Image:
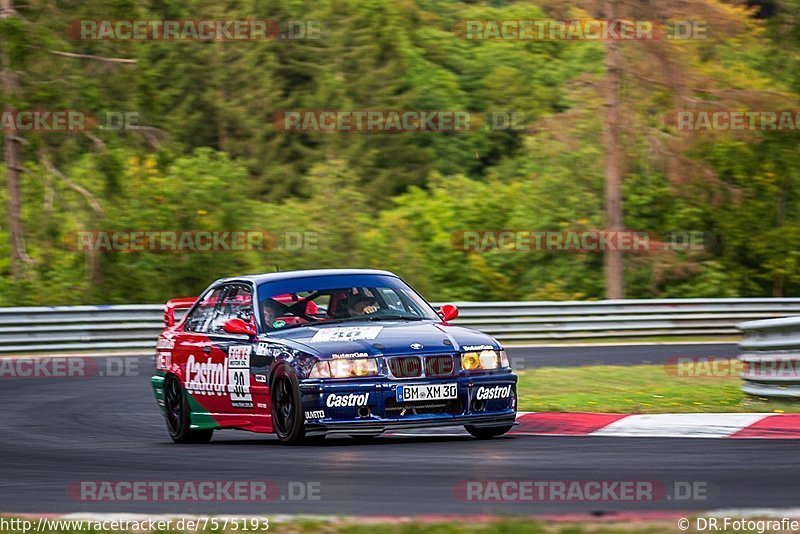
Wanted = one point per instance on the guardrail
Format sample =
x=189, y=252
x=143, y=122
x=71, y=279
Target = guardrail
x=70, y=328
x=770, y=351
x=533, y=321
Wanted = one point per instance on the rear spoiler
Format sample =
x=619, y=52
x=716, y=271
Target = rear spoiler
x=183, y=303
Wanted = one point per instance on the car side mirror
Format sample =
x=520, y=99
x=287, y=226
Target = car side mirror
x=238, y=326
x=448, y=312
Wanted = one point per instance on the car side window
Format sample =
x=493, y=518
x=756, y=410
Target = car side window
x=236, y=303
x=199, y=318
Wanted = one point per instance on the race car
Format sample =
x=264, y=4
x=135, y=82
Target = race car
x=305, y=354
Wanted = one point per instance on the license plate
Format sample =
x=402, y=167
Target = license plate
x=426, y=392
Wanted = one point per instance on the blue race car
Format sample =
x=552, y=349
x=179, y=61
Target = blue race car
x=304, y=354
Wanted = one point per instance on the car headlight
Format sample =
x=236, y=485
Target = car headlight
x=470, y=361
x=485, y=359
x=504, y=359
x=355, y=368
x=320, y=370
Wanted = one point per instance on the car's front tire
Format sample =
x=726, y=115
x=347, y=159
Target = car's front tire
x=487, y=432
x=179, y=422
x=287, y=407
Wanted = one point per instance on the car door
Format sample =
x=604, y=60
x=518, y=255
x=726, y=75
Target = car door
x=192, y=352
x=236, y=350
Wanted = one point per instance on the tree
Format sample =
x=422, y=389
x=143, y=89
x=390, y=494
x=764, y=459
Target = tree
x=12, y=141
x=615, y=288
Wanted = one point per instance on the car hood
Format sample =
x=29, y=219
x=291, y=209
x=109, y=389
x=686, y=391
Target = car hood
x=367, y=338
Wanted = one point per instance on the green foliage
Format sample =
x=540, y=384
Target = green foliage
x=210, y=157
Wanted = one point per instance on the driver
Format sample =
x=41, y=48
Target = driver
x=270, y=310
x=361, y=306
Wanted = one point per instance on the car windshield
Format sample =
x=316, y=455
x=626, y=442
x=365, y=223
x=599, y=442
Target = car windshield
x=339, y=298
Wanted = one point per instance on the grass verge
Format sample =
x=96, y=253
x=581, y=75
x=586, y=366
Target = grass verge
x=636, y=389
x=499, y=526
x=406, y=526
x=625, y=340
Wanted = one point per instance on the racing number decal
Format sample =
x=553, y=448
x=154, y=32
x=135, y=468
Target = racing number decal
x=239, y=376
x=346, y=333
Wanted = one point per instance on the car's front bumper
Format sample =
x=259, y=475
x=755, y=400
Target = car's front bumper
x=373, y=406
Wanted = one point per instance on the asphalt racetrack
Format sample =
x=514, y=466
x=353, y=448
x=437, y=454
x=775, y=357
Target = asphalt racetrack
x=57, y=432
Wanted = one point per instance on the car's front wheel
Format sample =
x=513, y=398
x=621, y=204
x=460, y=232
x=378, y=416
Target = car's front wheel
x=287, y=407
x=486, y=432
x=179, y=423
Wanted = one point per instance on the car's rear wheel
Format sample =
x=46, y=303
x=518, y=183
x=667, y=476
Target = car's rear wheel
x=287, y=407
x=486, y=432
x=179, y=422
